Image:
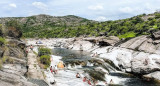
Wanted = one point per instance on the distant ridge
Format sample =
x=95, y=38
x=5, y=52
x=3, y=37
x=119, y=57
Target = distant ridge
x=46, y=26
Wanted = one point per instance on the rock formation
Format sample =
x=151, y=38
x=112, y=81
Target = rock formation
x=13, y=59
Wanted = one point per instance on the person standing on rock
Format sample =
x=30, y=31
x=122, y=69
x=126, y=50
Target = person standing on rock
x=27, y=50
x=51, y=69
x=55, y=69
x=31, y=47
x=146, y=62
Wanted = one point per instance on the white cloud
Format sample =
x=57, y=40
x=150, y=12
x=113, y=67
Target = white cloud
x=101, y=18
x=126, y=10
x=97, y=7
x=40, y=5
x=13, y=5
x=90, y=9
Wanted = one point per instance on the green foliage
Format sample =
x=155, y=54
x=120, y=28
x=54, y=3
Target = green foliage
x=4, y=59
x=13, y=23
x=73, y=26
x=1, y=64
x=127, y=35
x=157, y=15
x=2, y=41
x=45, y=59
x=7, y=59
x=44, y=54
x=44, y=51
x=1, y=33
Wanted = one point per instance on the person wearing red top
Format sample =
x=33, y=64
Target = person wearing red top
x=51, y=69
x=89, y=82
x=84, y=79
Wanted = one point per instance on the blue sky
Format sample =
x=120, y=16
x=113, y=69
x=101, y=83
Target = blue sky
x=100, y=10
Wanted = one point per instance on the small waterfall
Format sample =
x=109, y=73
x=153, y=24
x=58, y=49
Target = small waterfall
x=89, y=64
x=69, y=66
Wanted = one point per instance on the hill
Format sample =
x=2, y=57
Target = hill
x=46, y=26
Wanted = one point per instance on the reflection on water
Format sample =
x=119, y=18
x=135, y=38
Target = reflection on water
x=80, y=59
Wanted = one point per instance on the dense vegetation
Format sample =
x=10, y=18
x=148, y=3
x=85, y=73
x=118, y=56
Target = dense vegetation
x=44, y=54
x=44, y=26
x=44, y=51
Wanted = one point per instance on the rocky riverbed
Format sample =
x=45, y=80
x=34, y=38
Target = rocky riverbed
x=139, y=56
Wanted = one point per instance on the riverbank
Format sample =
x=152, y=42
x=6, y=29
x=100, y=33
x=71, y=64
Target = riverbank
x=34, y=70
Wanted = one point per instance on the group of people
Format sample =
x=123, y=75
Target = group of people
x=29, y=47
x=85, y=79
x=53, y=69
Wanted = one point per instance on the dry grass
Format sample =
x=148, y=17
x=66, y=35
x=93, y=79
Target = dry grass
x=1, y=64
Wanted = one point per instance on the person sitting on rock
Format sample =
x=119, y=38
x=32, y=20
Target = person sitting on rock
x=78, y=75
x=84, y=79
x=89, y=82
x=53, y=82
x=111, y=82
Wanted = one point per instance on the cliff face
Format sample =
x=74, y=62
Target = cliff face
x=12, y=58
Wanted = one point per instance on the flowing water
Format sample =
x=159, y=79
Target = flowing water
x=94, y=68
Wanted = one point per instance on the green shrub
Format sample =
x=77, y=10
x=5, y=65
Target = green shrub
x=45, y=59
x=1, y=64
x=4, y=59
x=44, y=51
x=127, y=35
x=157, y=15
x=2, y=41
x=7, y=59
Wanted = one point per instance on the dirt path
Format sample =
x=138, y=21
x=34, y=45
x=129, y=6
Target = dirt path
x=34, y=70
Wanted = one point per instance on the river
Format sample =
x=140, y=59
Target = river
x=94, y=68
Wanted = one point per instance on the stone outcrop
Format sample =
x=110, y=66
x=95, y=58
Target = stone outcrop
x=155, y=75
x=82, y=45
x=12, y=79
x=131, y=61
x=156, y=35
x=14, y=32
x=143, y=43
x=103, y=41
x=13, y=59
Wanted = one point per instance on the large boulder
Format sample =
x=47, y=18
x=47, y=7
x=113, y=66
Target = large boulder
x=131, y=61
x=82, y=45
x=14, y=32
x=154, y=75
x=143, y=43
x=16, y=43
x=11, y=79
x=156, y=35
x=103, y=41
x=112, y=40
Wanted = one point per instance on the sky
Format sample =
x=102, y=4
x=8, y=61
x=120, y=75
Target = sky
x=99, y=10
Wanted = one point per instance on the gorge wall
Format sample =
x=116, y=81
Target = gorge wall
x=13, y=59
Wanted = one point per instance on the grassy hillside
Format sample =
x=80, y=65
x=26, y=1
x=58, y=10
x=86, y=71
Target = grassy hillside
x=45, y=26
